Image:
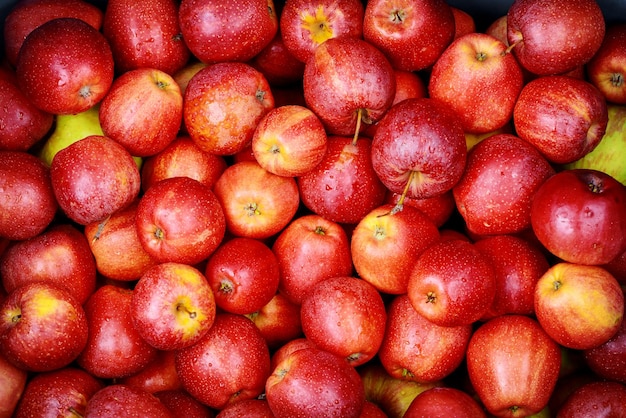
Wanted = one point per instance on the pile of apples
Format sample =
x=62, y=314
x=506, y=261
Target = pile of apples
x=313, y=208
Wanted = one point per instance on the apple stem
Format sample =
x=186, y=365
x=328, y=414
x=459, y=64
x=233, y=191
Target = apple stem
x=510, y=48
x=101, y=226
x=181, y=307
x=73, y=411
x=359, y=115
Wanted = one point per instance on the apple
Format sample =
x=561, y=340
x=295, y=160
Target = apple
x=251, y=408
x=217, y=32
x=279, y=66
x=142, y=110
x=125, y=401
x=257, y=204
x=463, y=22
x=413, y=34
x=580, y=307
x=229, y=364
x=27, y=203
x=564, y=117
x=513, y=365
x=603, y=397
x=114, y=349
x=43, y=327
x=617, y=267
x=606, y=68
x=59, y=255
x=498, y=28
x=158, y=376
x=607, y=360
x=12, y=384
x=494, y=195
x=306, y=24
x=371, y=410
x=145, y=34
x=479, y=80
x=289, y=141
x=284, y=351
x=223, y=103
x=180, y=220
x=179, y=402
x=384, y=246
x=279, y=321
x=439, y=209
x=548, y=39
x=442, y=402
x=56, y=74
x=417, y=349
x=579, y=215
x=310, y=249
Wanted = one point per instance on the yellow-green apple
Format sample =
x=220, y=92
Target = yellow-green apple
x=591, y=398
x=180, y=220
x=343, y=187
x=229, y=364
x=479, y=80
x=463, y=22
x=384, y=246
x=65, y=66
x=279, y=321
x=158, y=376
x=608, y=360
x=306, y=24
x=579, y=215
x=452, y=283
x=181, y=403
x=438, y=208
x=441, y=402
x=125, y=401
x=27, y=203
x=289, y=141
x=257, y=204
x=93, y=178
x=277, y=63
x=310, y=249
x=580, y=307
x=513, y=365
x=417, y=349
x=606, y=70
x=411, y=33
x=223, y=103
x=348, y=83
x=145, y=34
x=548, y=39
x=59, y=255
x=12, y=384
x=514, y=171
x=172, y=306
x=563, y=117
x=114, y=349
x=142, y=110
x=43, y=327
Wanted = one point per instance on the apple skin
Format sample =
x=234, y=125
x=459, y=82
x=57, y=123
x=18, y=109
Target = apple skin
x=513, y=365
x=59, y=255
x=125, y=401
x=229, y=364
x=28, y=204
x=251, y=408
x=603, y=397
x=563, y=117
x=579, y=215
x=43, y=327
x=438, y=208
x=514, y=171
x=580, y=307
x=606, y=70
x=180, y=403
x=463, y=22
x=277, y=63
x=608, y=360
x=158, y=376
x=443, y=402
x=551, y=40
x=12, y=384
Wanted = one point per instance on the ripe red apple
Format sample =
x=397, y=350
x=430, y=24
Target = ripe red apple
x=287, y=349
x=513, y=365
x=550, y=39
x=463, y=22
x=438, y=208
x=229, y=364
x=602, y=397
x=158, y=376
x=279, y=321
x=579, y=215
x=251, y=408
x=65, y=66
x=498, y=29
x=443, y=402
x=145, y=34
x=143, y=111
x=27, y=202
x=43, y=327
x=279, y=66
x=181, y=403
x=413, y=34
x=606, y=70
x=180, y=220
x=12, y=384
x=125, y=401
x=608, y=360
x=564, y=117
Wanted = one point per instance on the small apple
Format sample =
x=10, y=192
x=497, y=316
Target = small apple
x=279, y=321
x=125, y=401
x=608, y=360
x=442, y=402
x=279, y=66
x=250, y=408
x=606, y=70
x=181, y=403
x=12, y=384
x=158, y=376
x=463, y=22
x=593, y=397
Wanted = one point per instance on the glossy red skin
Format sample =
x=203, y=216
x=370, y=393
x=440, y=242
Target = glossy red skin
x=217, y=32
x=608, y=360
x=58, y=393
x=417, y=349
x=279, y=321
x=114, y=348
x=421, y=135
x=563, y=117
x=495, y=193
x=27, y=204
x=345, y=75
x=603, y=398
x=37, y=341
x=230, y=364
x=553, y=40
x=443, y=402
x=577, y=224
x=145, y=35
x=415, y=41
x=461, y=278
x=94, y=178
x=289, y=347
x=180, y=220
x=279, y=66
x=12, y=384
x=59, y=255
x=343, y=187
x=125, y=401
x=371, y=410
x=180, y=403
x=617, y=267
x=345, y=316
x=608, y=62
x=158, y=376
x=438, y=208
x=314, y=382
x=251, y=408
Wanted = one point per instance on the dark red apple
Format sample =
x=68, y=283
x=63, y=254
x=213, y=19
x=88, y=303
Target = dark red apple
x=125, y=401
x=251, y=408
x=606, y=70
x=181, y=403
x=279, y=66
x=12, y=383
x=158, y=376
x=438, y=208
x=464, y=22
x=444, y=402
x=279, y=321
x=603, y=397
x=608, y=360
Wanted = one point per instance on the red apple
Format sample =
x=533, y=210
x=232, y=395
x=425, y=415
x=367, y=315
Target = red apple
x=463, y=22
x=27, y=202
x=608, y=360
x=371, y=410
x=443, y=402
x=158, y=376
x=498, y=29
x=125, y=401
x=279, y=66
x=250, y=408
x=287, y=349
x=279, y=321
x=606, y=70
x=409, y=85
x=181, y=403
x=12, y=383
x=593, y=398
x=437, y=208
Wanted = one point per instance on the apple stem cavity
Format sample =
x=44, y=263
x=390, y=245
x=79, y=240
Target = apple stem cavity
x=431, y=297
x=84, y=92
x=319, y=230
x=252, y=209
x=182, y=308
x=617, y=80
x=397, y=16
